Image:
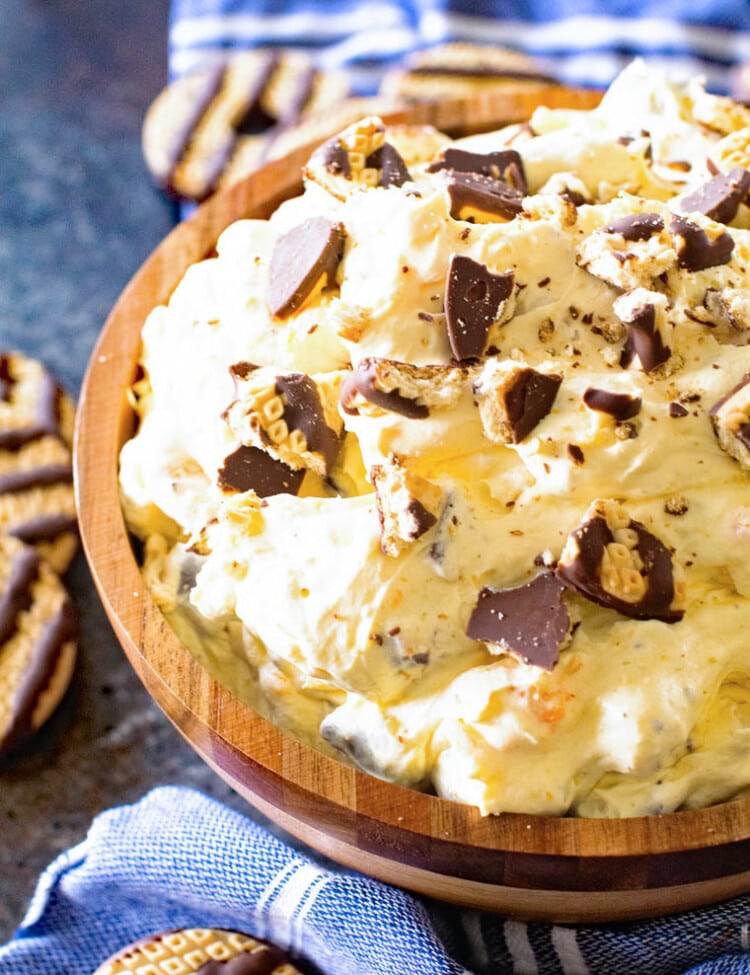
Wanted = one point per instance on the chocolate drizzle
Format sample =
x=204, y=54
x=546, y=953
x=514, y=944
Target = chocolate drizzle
x=46, y=419
x=15, y=481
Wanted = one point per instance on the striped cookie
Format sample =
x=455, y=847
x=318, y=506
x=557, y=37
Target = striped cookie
x=460, y=70
x=198, y=124
x=199, y=951
x=37, y=642
x=37, y=503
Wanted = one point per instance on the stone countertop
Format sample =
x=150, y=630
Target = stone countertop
x=78, y=215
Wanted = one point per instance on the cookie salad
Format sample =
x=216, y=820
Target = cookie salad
x=446, y=466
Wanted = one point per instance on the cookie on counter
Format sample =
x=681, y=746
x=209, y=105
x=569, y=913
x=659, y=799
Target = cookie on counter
x=213, y=121
x=200, y=951
x=461, y=70
x=37, y=503
x=38, y=642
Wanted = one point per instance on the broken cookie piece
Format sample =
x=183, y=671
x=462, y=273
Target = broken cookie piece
x=629, y=252
x=303, y=263
x=616, y=562
x=475, y=299
x=358, y=158
x=643, y=312
x=720, y=197
x=408, y=505
x=293, y=416
x=696, y=249
x=401, y=387
x=513, y=399
x=531, y=621
x=730, y=417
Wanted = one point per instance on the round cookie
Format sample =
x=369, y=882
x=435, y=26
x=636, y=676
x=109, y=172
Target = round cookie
x=200, y=951
x=37, y=502
x=38, y=632
x=199, y=124
x=460, y=70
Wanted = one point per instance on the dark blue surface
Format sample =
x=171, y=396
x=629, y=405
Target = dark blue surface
x=78, y=215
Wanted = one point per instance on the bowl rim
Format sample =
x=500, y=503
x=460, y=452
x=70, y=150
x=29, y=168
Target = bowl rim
x=288, y=780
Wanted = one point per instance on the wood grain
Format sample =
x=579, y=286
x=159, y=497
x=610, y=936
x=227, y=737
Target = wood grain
x=560, y=869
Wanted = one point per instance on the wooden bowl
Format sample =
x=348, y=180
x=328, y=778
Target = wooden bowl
x=561, y=869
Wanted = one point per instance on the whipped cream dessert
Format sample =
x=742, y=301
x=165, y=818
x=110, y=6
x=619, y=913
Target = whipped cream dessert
x=445, y=467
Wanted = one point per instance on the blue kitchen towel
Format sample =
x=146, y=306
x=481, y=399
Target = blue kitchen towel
x=180, y=859
x=581, y=41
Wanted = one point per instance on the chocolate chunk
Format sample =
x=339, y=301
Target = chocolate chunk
x=301, y=258
x=481, y=198
x=643, y=340
x=730, y=417
x=303, y=411
x=505, y=165
x=513, y=399
x=531, y=622
x=364, y=379
x=695, y=249
x=622, y=406
x=474, y=297
x=250, y=468
x=636, y=226
x=720, y=197
x=677, y=410
x=393, y=170
x=617, y=563
x=334, y=158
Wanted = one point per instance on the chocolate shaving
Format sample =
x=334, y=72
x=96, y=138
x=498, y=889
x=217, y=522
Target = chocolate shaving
x=505, y=165
x=695, y=249
x=304, y=411
x=643, y=340
x=470, y=192
x=636, y=226
x=583, y=571
x=622, y=406
x=250, y=468
x=474, y=297
x=362, y=380
x=393, y=170
x=531, y=622
x=301, y=258
x=720, y=197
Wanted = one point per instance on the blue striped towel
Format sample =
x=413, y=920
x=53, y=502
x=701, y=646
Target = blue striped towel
x=584, y=42
x=180, y=859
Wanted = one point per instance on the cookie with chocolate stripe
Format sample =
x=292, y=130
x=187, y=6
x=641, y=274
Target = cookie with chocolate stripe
x=37, y=503
x=210, y=126
x=38, y=642
x=200, y=951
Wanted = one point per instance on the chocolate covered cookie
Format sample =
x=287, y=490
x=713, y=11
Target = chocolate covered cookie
x=211, y=126
x=38, y=646
x=200, y=951
x=37, y=503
